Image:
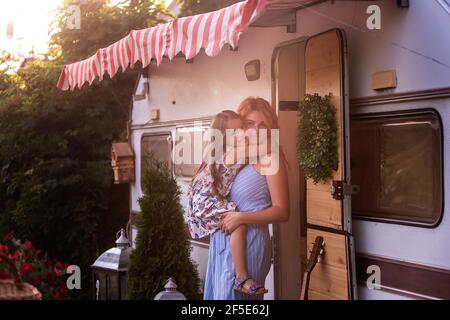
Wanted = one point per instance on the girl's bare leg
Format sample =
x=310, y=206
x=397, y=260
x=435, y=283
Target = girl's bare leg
x=238, y=250
x=239, y=256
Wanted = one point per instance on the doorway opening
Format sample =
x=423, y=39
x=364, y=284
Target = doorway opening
x=290, y=237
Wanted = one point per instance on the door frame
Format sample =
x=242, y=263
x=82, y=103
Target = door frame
x=275, y=103
x=346, y=203
x=346, y=174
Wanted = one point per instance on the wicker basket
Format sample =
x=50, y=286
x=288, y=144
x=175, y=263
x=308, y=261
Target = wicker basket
x=16, y=289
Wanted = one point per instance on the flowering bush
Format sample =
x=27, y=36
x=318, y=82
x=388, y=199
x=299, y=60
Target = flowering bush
x=35, y=267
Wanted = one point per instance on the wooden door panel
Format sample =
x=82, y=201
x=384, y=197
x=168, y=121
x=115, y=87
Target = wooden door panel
x=322, y=81
x=314, y=295
x=324, y=76
x=329, y=278
x=335, y=246
x=323, y=51
x=330, y=281
x=324, y=65
x=326, y=213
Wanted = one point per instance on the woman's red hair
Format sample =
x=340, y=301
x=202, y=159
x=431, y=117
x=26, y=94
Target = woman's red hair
x=251, y=104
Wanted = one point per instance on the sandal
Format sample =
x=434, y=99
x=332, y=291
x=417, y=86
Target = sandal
x=254, y=289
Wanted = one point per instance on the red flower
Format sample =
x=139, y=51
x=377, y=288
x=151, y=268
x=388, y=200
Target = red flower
x=50, y=279
x=28, y=245
x=63, y=292
x=8, y=236
x=35, y=266
x=18, y=253
x=26, y=268
x=36, y=281
x=4, y=275
x=4, y=248
x=56, y=272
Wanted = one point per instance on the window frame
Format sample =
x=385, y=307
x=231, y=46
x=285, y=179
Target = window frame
x=170, y=143
x=205, y=241
x=406, y=113
x=204, y=124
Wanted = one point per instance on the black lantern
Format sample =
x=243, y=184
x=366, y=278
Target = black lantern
x=109, y=271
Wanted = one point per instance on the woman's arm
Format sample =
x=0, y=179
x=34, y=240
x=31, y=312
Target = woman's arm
x=278, y=212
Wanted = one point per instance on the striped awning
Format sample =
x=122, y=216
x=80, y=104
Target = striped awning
x=187, y=35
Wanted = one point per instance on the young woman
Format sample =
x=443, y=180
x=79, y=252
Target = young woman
x=261, y=200
x=207, y=199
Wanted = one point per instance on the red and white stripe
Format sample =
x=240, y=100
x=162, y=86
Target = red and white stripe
x=188, y=35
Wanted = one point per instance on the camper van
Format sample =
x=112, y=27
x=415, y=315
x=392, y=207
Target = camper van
x=382, y=218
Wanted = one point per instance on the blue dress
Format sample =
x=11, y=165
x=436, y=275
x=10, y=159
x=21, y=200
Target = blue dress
x=251, y=193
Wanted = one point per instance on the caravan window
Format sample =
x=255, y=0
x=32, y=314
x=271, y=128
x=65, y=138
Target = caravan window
x=189, y=146
x=159, y=145
x=396, y=160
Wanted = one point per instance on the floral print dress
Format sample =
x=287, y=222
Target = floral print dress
x=204, y=206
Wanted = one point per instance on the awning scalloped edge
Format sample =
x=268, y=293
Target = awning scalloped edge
x=188, y=35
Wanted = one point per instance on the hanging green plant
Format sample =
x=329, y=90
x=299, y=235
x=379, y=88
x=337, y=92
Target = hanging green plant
x=317, y=138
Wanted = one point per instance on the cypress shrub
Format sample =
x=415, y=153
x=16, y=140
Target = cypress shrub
x=162, y=245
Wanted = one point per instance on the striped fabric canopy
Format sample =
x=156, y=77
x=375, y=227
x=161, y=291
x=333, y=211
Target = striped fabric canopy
x=210, y=31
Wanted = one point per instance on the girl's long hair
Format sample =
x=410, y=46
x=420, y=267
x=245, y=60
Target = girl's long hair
x=220, y=122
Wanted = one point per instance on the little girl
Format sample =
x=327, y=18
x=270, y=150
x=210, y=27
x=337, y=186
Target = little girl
x=207, y=201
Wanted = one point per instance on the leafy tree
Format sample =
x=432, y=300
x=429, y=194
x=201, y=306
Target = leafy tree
x=55, y=173
x=192, y=7
x=101, y=25
x=162, y=246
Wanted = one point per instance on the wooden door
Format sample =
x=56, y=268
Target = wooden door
x=325, y=73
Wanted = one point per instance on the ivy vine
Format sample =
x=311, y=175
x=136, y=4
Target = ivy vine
x=317, y=151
